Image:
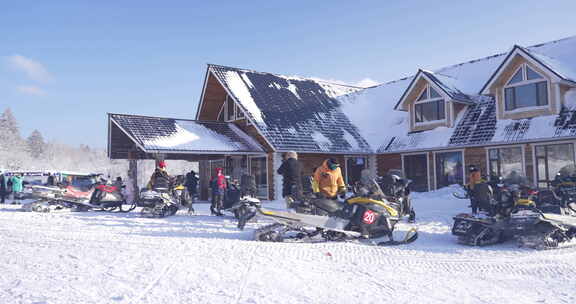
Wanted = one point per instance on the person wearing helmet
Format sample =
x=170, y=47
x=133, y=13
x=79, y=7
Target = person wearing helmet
x=328, y=180
x=218, y=185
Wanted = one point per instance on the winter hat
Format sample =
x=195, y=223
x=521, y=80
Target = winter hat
x=332, y=164
x=162, y=164
x=472, y=168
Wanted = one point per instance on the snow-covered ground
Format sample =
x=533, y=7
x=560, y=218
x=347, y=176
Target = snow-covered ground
x=96, y=257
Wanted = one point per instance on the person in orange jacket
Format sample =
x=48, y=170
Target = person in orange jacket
x=328, y=180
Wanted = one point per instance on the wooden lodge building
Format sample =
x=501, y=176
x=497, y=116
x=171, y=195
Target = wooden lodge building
x=510, y=113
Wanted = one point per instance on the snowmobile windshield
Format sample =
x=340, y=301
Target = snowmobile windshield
x=567, y=172
x=515, y=178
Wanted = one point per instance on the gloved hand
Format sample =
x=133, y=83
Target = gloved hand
x=342, y=192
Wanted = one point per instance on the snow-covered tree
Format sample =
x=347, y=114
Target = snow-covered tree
x=35, y=144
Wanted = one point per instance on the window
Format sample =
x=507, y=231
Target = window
x=449, y=169
x=416, y=169
x=550, y=159
x=258, y=169
x=429, y=106
x=230, y=107
x=505, y=162
x=526, y=88
x=239, y=113
x=230, y=111
x=354, y=167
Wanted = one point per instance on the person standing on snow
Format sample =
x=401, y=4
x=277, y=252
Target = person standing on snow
x=191, y=183
x=17, y=186
x=3, y=189
x=328, y=180
x=218, y=185
x=474, y=177
x=291, y=178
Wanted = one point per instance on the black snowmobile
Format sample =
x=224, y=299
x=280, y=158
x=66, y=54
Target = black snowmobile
x=366, y=215
x=547, y=218
x=240, y=200
x=157, y=203
x=495, y=201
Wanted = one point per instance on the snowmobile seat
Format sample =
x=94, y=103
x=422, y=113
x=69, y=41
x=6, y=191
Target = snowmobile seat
x=328, y=205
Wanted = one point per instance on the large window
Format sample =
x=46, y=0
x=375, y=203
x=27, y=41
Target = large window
x=550, y=159
x=259, y=170
x=505, y=162
x=416, y=169
x=526, y=88
x=354, y=167
x=430, y=106
x=230, y=111
x=449, y=169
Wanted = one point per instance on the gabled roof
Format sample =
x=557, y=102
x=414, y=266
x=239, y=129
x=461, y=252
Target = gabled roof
x=563, y=67
x=293, y=113
x=446, y=84
x=169, y=135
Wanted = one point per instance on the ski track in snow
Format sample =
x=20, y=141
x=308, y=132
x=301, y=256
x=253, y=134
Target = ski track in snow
x=97, y=257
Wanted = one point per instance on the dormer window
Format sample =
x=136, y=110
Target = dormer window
x=526, y=88
x=429, y=107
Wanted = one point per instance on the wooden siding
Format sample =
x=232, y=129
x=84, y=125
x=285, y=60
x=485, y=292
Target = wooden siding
x=386, y=162
x=214, y=97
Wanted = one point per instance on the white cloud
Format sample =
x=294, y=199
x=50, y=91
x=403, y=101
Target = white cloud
x=33, y=69
x=31, y=90
x=364, y=83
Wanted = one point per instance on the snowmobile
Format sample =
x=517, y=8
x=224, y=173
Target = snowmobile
x=99, y=196
x=367, y=215
x=546, y=219
x=157, y=203
x=495, y=202
x=241, y=201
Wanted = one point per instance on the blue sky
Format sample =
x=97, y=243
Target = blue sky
x=65, y=64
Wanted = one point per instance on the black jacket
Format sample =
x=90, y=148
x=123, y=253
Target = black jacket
x=191, y=182
x=291, y=172
x=2, y=184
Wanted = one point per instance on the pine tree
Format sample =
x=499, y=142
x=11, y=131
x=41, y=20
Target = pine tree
x=9, y=131
x=35, y=144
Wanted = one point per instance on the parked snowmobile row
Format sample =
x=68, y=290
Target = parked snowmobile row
x=91, y=195
x=512, y=210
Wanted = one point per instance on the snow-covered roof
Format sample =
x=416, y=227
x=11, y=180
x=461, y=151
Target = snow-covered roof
x=168, y=135
x=294, y=113
x=387, y=130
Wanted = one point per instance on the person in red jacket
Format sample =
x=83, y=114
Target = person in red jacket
x=218, y=185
